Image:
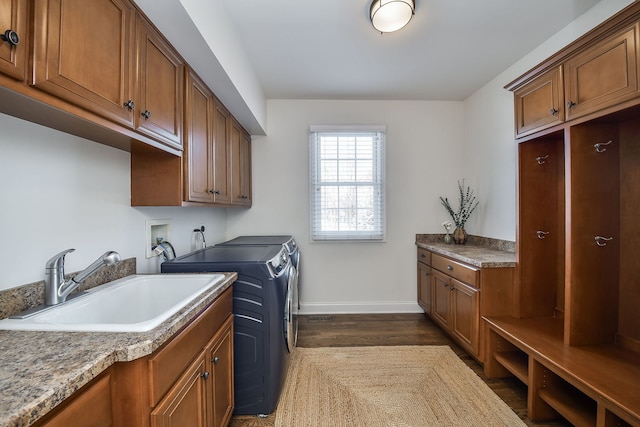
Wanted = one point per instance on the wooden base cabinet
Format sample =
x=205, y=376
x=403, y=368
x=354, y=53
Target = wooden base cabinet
x=424, y=279
x=203, y=396
x=188, y=382
x=456, y=296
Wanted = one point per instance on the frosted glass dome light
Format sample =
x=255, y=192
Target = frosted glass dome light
x=391, y=15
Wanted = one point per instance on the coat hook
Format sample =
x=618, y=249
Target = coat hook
x=602, y=241
x=600, y=146
x=542, y=159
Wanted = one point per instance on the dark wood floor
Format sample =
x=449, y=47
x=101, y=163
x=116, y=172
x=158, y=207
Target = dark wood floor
x=393, y=329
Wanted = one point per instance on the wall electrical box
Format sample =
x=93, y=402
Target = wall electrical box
x=156, y=229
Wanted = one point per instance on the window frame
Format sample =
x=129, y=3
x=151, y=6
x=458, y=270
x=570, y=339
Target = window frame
x=378, y=183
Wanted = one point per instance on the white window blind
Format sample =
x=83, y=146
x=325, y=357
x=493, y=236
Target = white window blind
x=347, y=183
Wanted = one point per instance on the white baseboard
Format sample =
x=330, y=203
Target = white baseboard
x=366, y=307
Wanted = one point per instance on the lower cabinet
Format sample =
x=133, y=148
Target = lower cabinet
x=91, y=406
x=457, y=295
x=456, y=308
x=188, y=382
x=203, y=396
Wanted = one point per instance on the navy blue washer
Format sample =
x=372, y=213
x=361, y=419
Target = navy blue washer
x=261, y=357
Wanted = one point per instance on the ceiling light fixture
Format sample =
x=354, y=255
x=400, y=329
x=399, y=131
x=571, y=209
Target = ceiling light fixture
x=391, y=15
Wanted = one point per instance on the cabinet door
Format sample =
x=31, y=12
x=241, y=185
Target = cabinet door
x=240, y=166
x=424, y=287
x=220, y=356
x=160, y=77
x=602, y=75
x=441, y=293
x=84, y=54
x=465, y=315
x=184, y=404
x=89, y=407
x=198, y=143
x=13, y=16
x=221, y=155
x=539, y=104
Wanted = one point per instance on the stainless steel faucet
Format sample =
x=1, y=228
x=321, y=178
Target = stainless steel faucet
x=56, y=289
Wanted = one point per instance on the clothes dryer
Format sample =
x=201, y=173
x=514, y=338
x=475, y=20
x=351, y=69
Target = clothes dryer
x=290, y=245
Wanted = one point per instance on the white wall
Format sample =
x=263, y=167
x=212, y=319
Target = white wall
x=423, y=162
x=430, y=146
x=59, y=191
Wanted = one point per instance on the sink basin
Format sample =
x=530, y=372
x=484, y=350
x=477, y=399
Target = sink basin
x=133, y=304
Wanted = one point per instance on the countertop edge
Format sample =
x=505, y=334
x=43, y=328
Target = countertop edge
x=126, y=347
x=477, y=256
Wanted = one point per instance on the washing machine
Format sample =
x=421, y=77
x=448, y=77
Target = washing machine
x=290, y=245
x=262, y=301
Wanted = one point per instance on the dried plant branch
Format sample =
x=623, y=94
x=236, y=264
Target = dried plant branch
x=468, y=203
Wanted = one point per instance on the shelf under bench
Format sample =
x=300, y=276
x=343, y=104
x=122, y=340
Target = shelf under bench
x=588, y=385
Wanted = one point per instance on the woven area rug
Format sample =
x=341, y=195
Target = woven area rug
x=408, y=386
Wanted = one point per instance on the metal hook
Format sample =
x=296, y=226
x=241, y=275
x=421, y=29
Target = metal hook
x=542, y=234
x=602, y=241
x=542, y=159
x=600, y=146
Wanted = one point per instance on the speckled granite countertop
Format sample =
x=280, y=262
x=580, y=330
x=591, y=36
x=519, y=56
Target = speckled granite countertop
x=478, y=252
x=38, y=370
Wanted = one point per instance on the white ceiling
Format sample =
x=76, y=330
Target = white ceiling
x=327, y=49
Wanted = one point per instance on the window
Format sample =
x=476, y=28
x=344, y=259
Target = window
x=347, y=183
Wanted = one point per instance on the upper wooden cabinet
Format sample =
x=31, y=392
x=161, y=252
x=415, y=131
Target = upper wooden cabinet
x=84, y=53
x=198, y=141
x=599, y=71
x=160, y=79
x=221, y=154
x=540, y=103
x=13, y=57
x=602, y=75
x=240, y=165
x=216, y=161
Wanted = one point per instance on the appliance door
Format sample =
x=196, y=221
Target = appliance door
x=290, y=310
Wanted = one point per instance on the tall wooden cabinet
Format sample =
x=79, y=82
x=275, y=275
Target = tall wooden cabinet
x=575, y=337
x=13, y=45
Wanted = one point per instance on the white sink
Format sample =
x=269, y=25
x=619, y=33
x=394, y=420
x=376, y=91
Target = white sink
x=133, y=304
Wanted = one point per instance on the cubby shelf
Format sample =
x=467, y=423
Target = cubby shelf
x=515, y=362
x=577, y=408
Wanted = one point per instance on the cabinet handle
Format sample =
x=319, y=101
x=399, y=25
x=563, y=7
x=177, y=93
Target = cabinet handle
x=602, y=241
x=130, y=105
x=542, y=159
x=553, y=111
x=445, y=285
x=423, y=256
x=215, y=360
x=449, y=267
x=10, y=37
x=204, y=375
x=212, y=191
x=600, y=146
x=571, y=104
x=244, y=197
x=146, y=114
x=542, y=234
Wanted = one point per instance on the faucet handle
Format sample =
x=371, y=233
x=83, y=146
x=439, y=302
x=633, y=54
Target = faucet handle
x=57, y=261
